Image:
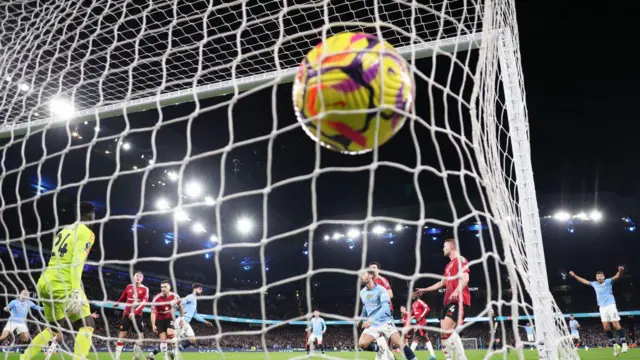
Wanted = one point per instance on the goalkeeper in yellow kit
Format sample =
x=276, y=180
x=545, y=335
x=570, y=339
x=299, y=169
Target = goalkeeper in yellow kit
x=60, y=286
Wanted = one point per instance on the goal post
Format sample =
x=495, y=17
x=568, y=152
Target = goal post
x=64, y=64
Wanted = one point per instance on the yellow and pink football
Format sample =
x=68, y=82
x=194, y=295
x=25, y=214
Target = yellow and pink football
x=344, y=83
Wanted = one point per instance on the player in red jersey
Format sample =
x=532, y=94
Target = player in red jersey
x=163, y=318
x=456, y=298
x=135, y=296
x=382, y=281
x=419, y=311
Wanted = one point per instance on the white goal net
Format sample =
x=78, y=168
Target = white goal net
x=175, y=119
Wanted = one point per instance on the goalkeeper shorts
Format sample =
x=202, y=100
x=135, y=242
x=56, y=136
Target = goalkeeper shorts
x=54, y=297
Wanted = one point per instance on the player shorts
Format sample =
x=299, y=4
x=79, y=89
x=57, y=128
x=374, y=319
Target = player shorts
x=387, y=329
x=609, y=313
x=420, y=331
x=313, y=338
x=18, y=328
x=54, y=297
x=454, y=312
x=186, y=330
x=164, y=325
x=531, y=338
x=136, y=324
x=575, y=335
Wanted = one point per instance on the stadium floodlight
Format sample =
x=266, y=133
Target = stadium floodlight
x=353, y=233
x=24, y=87
x=193, y=189
x=62, y=108
x=181, y=216
x=198, y=228
x=581, y=216
x=337, y=236
x=162, y=204
x=562, y=216
x=209, y=200
x=213, y=238
x=126, y=146
x=398, y=227
x=244, y=225
x=595, y=215
x=172, y=175
x=378, y=230
x=327, y=237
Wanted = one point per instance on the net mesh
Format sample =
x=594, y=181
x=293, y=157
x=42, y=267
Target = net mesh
x=196, y=191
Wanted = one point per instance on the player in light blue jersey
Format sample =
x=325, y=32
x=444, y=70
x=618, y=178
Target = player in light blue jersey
x=573, y=328
x=190, y=306
x=316, y=330
x=377, y=319
x=529, y=330
x=19, y=310
x=608, y=311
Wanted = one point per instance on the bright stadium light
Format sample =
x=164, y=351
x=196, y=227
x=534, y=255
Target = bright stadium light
x=378, y=230
x=562, y=216
x=337, y=236
x=353, y=233
x=213, y=238
x=399, y=227
x=24, y=87
x=198, y=228
x=209, y=200
x=62, y=108
x=581, y=216
x=193, y=189
x=244, y=225
x=181, y=216
x=172, y=175
x=595, y=215
x=126, y=146
x=327, y=237
x=162, y=204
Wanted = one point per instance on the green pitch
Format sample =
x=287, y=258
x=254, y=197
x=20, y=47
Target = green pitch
x=592, y=354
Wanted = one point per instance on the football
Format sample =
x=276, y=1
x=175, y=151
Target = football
x=345, y=84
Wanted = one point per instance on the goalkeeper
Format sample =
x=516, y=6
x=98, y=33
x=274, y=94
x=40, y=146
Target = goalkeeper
x=60, y=286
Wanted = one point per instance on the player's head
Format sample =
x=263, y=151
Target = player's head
x=367, y=276
x=415, y=297
x=571, y=317
x=316, y=313
x=196, y=289
x=138, y=277
x=165, y=286
x=491, y=313
x=600, y=277
x=375, y=266
x=449, y=247
x=24, y=294
x=87, y=211
x=403, y=309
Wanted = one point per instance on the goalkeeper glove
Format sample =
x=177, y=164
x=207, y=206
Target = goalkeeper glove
x=76, y=302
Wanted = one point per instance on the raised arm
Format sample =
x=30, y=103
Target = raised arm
x=434, y=287
x=618, y=274
x=573, y=275
x=35, y=307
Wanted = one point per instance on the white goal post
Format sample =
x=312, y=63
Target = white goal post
x=66, y=62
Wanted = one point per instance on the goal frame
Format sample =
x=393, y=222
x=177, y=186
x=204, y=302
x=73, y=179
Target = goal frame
x=473, y=340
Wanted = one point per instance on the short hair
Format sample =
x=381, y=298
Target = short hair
x=87, y=208
x=375, y=263
x=452, y=241
x=138, y=272
x=600, y=273
x=165, y=282
x=196, y=286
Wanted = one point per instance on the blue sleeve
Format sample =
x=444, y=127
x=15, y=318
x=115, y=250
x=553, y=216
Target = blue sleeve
x=199, y=318
x=384, y=297
x=608, y=281
x=385, y=310
x=35, y=307
x=363, y=314
x=592, y=283
x=11, y=304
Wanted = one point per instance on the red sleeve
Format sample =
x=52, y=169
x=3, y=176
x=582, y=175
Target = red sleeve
x=123, y=296
x=465, y=265
x=385, y=283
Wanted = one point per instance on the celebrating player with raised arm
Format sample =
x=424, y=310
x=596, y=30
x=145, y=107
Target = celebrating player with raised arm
x=19, y=309
x=190, y=305
x=317, y=329
x=60, y=286
x=136, y=296
x=607, y=303
x=456, y=298
x=162, y=318
x=379, y=320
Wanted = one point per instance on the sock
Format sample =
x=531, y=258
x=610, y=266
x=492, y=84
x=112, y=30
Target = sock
x=137, y=350
x=38, y=342
x=414, y=345
x=82, y=345
x=610, y=338
x=373, y=347
x=408, y=353
x=621, y=336
x=321, y=348
x=156, y=350
x=382, y=342
x=457, y=345
x=430, y=348
x=184, y=344
x=308, y=348
x=447, y=346
x=163, y=349
x=119, y=346
x=51, y=350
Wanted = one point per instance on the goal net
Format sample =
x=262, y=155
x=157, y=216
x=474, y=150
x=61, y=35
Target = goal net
x=469, y=343
x=175, y=119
